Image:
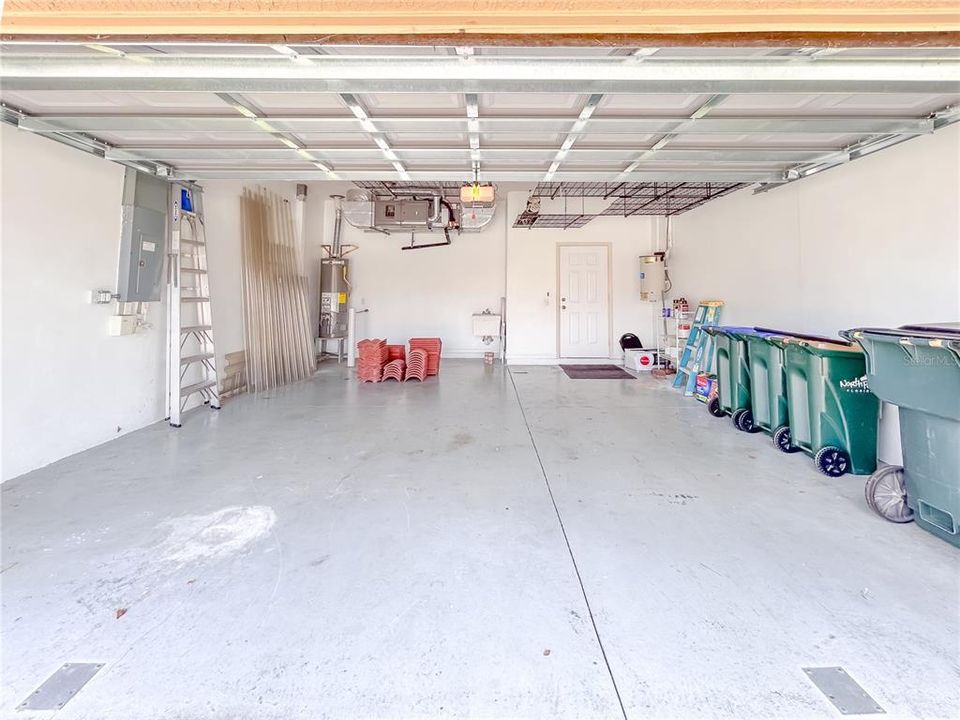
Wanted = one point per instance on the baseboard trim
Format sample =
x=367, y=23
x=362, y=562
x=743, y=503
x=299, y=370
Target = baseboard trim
x=547, y=360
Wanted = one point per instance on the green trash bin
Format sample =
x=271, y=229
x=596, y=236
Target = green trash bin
x=917, y=367
x=768, y=384
x=833, y=416
x=768, y=388
x=733, y=375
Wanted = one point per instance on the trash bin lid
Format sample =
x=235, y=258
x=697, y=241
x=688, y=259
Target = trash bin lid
x=947, y=331
x=727, y=329
x=801, y=336
x=818, y=347
x=759, y=332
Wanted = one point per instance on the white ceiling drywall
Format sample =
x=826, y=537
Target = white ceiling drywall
x=318, y=112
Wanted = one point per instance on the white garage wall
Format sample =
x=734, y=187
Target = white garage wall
x=875, y=242
x=532, y=282
x=435, y=291
x=66, y=385
x=431, y=292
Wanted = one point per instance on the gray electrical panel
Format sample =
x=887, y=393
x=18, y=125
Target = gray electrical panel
x=143, y=238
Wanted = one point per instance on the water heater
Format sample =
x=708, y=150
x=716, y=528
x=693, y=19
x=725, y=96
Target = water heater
x=652, y=277
x=334, y=290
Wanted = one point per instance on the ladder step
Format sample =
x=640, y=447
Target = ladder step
x=193, y=271
x=195, y=299
x=187, y=329
x=187, y=359
x=196, y=387
x=187, y=241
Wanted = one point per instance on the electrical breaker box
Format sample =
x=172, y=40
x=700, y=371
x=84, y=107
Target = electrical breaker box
x=143, y=238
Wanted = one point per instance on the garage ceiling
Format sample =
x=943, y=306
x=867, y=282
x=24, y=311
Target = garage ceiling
x=611, y=115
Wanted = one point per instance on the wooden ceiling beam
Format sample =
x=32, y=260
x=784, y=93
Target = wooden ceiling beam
x=661, y=23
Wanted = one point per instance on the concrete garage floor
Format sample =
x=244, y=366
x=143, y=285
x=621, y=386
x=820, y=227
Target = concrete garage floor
x=331, y=550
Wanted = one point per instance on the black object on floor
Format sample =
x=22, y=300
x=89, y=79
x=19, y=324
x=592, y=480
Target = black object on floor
x=629, y=341
x=596, y=372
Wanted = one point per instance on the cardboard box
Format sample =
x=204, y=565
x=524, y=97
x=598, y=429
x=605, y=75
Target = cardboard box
x=639, y=360
x=704, y=386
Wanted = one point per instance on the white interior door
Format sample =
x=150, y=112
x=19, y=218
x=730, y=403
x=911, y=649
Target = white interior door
x=584, y=301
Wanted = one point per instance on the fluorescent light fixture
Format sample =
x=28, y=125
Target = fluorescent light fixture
x=578, y=126
x=568, y=143
x=245, y=111
x=358, y=111
x=554, y=166
x=264, y=125
x=390, y=155
x=561, y=154
x=474, y=142
x=106, y=49
x=473, y=125
x=321, y=166
x=475, y=154
x=590, y=107
x=548, y=177
x=381, y=143
x=368, y=126
x=289, y=143
x=305, y=153
x=284, y=50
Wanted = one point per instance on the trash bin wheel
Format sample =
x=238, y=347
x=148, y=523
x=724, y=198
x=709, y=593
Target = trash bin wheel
x=832, y=461
x=743, y=419
x=886, y=494
x=782, y=439
x=713, y=407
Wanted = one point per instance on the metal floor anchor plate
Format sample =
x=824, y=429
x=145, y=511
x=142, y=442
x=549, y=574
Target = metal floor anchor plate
x=843, y=691
x=60, y=687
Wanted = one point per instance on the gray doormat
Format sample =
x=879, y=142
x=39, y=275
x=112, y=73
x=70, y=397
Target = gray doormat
x=596, y=372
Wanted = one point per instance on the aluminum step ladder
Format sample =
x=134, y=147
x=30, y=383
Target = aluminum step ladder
x=191, y=355
x=697, y=355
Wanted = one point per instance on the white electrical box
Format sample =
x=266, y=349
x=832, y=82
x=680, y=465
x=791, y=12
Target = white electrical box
x=122, y=325
x=652, y=277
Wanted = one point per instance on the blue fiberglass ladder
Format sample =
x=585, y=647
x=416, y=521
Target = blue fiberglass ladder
x=697, y=354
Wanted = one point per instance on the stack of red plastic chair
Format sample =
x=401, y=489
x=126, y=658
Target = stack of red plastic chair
x=394, y=370
x=416, y=365
x=371, y=357
x=397, y=352
x=432, y=347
